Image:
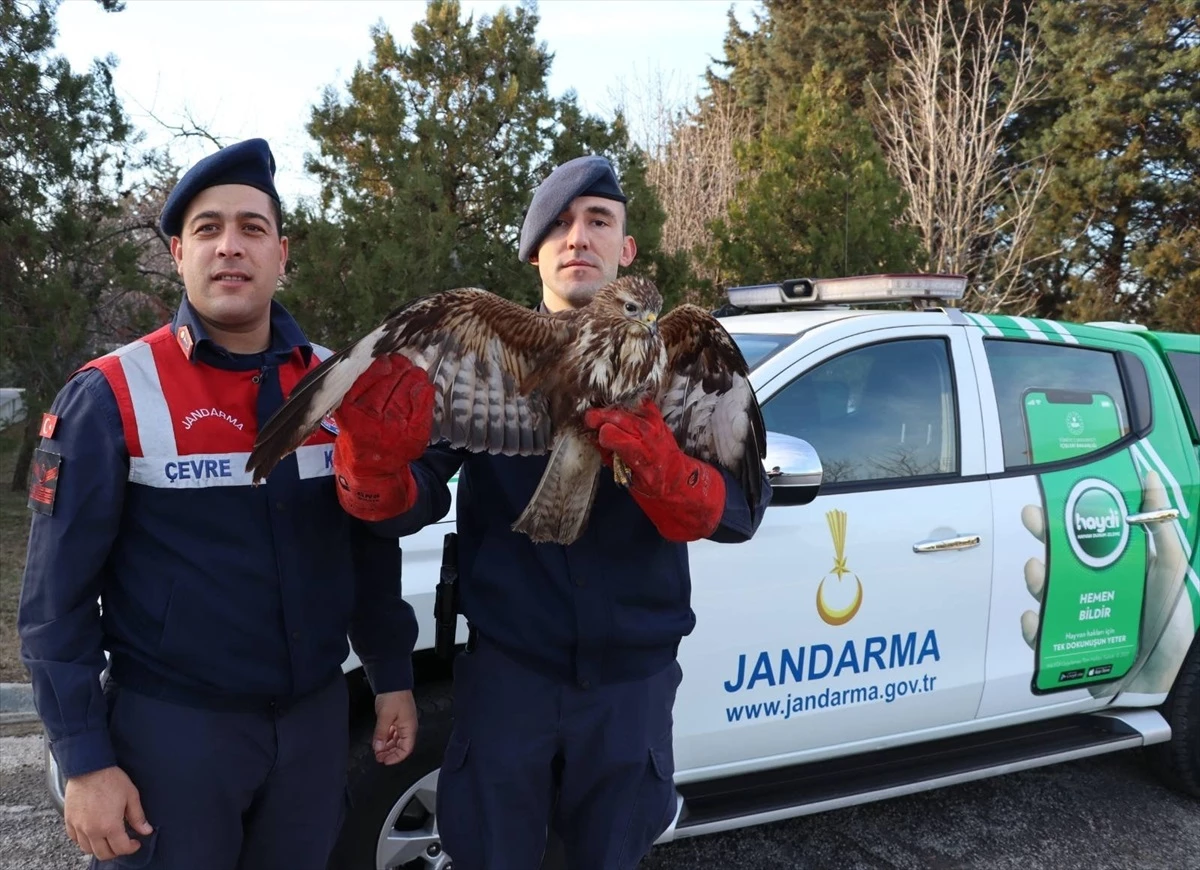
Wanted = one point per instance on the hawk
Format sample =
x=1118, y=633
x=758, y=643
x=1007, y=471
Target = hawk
x=514, y=381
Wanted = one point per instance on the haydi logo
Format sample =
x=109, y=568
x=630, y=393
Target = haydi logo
x=1095, y=521
x=1091, y=526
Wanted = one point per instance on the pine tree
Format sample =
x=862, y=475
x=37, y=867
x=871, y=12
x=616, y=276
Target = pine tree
x=428, y=164
x=765, y=66
x=821, y=204
x=1121, y=121
x=70, y=285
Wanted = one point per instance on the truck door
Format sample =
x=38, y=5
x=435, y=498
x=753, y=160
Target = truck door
x=862, y=614
x=1081, y=493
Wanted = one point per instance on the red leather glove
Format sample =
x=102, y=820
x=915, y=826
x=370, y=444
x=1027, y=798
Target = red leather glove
x=682, y=496
x=384, y=423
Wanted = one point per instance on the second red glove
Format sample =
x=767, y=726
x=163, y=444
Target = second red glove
x=384, y=423
x=682, y=496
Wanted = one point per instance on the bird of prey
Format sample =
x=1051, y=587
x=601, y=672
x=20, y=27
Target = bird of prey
x=514, y=381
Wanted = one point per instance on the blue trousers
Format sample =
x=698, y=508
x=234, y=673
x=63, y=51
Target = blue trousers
x=234, y=790
x=528, y=752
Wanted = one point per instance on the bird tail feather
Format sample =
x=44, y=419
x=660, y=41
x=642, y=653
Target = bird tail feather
x=562, y=502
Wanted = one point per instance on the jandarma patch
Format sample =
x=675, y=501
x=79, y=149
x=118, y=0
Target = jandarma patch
x=43, y=481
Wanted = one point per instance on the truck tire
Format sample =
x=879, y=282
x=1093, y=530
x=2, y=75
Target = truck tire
x=390, y=822
x=1177, y=762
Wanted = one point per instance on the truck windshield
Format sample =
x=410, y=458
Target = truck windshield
x=757, y=348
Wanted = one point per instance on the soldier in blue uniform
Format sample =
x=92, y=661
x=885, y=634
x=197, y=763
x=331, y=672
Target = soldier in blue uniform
x=220, y=738
x=563, y=700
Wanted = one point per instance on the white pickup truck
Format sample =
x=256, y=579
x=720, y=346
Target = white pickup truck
x=999, y=570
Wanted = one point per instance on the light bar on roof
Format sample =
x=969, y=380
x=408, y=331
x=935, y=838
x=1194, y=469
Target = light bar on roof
x=849, y=291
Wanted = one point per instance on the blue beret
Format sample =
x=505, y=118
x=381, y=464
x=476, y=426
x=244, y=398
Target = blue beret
x=249, y=162
x=583, y=176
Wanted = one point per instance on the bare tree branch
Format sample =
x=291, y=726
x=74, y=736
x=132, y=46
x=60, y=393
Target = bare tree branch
x=942, y=121
x=692, y=166
x=188, y=128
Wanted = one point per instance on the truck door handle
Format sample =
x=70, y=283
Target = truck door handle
x=962, y=542
x=1153, y=517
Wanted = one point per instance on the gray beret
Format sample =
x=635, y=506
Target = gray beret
x=249, y=162
x=583, y=176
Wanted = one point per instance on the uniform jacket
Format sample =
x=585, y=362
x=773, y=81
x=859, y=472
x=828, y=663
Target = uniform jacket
x=611, y=606
x=214, y=593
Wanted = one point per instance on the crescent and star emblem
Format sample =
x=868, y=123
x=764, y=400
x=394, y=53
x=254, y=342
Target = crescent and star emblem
x=845, y=604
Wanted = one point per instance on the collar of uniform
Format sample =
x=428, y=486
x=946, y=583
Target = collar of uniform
x=197, y=345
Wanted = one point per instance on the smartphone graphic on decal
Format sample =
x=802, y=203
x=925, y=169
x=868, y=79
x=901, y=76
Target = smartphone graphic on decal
x=1095, y=562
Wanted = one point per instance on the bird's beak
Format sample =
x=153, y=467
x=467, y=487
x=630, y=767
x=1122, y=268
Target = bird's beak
x=650, y=319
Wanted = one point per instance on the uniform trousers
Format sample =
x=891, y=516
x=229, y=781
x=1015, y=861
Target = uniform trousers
x=233, y=790
x=528, y=752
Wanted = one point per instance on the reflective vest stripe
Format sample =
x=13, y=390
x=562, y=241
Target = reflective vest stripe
x=150, y=411
x=115, y=375
x=202, y=470
x=314, y=460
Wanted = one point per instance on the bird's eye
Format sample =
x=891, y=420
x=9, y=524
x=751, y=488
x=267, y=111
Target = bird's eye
x=631, y=308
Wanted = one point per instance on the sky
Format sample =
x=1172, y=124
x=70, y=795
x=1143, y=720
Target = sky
x=246, y=68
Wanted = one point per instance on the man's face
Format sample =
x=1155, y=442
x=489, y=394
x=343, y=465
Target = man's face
x=230, y=255
x=582, y=252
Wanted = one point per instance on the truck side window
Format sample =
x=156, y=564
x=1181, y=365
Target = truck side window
x=1019, y=367
x=1187, y=369
x=879, y=412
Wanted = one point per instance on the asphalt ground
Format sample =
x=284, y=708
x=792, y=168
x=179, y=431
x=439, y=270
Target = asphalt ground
x=1105, y=813
x=31, y=830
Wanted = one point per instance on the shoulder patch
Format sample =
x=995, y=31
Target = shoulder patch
x=43, y=481
x=49, y=422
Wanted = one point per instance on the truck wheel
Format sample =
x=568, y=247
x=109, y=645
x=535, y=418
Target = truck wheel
x=390, y=822
x=1177, y=762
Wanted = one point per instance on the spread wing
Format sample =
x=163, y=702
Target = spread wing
x=707, y=399
x=479, y=350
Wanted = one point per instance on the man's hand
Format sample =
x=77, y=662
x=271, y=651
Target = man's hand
x=1168, y=624
x=97, y=806
x=682, y=496
x=395, y=727
x=384, y=423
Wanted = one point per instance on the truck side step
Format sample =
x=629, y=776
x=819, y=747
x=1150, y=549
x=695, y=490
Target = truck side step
x=772, y=795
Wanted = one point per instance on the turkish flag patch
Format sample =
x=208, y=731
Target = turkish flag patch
x=43, y=481
x=49, y=423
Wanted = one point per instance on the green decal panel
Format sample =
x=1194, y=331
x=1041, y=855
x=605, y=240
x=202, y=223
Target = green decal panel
x=1106, y=604
x=1095, y=569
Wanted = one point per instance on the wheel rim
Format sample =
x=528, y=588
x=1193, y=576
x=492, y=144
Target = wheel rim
x=409, y=836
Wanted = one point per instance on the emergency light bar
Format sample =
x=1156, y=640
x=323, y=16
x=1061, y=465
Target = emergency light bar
x=849, y=291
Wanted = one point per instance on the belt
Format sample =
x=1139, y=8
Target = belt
x=143, y=682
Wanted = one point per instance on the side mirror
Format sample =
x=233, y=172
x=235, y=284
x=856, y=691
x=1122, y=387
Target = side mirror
x=793, y=468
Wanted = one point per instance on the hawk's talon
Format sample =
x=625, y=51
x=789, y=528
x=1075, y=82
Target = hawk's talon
x=620, y=470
